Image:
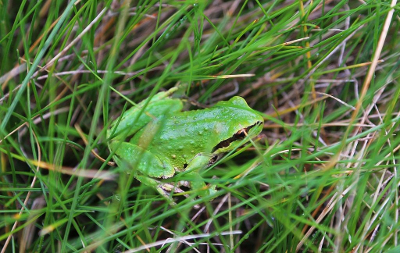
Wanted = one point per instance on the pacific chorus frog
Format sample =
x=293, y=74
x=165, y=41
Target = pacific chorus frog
x=163, y=140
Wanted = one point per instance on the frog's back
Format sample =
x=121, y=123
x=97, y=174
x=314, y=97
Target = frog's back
x=185, y=134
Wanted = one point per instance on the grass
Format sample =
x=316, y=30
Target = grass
x=321, y=177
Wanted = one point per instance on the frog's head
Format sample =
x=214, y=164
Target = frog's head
x=239, y=121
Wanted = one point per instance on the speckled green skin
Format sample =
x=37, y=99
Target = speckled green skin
x=164, y=140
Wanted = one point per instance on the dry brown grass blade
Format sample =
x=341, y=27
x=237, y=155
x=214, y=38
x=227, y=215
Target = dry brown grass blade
x=292, y=109
x=308, y=54
x=358, y=106
x=76, y=40
x=365, y=87
x=87, y=173
x=80, y=132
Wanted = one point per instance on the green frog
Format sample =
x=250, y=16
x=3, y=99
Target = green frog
x=156, y=139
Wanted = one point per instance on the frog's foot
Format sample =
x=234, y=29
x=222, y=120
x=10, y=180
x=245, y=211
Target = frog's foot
x=163, y=189
x=175, y=188
x=197, y=185
x=168, y=188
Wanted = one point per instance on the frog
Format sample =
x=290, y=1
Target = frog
x=157, y=139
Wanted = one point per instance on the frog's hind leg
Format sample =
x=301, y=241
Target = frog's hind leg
x=140, y=161
x=144, y=164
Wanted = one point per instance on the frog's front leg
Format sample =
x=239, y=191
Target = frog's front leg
x=196, y=182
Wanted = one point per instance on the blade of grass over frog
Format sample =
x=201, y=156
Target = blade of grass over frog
x=98, y=109
x=165, y=74
x=34, y=65
x=158, y=85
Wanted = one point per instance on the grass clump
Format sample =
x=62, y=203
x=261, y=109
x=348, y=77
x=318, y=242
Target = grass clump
x=322, y=176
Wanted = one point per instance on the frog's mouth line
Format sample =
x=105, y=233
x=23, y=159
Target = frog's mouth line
x=239, y=135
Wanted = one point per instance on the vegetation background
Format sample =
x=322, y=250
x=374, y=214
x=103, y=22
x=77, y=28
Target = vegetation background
x=322, y=176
